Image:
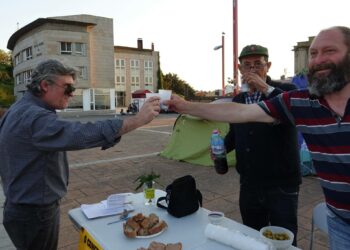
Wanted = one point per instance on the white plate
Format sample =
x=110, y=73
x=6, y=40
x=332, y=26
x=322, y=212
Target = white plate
x=152, y=235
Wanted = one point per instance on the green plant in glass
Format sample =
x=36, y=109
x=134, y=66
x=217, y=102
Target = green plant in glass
x=147, y=181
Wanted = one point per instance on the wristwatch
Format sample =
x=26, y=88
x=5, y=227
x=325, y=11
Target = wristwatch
x=269, y=90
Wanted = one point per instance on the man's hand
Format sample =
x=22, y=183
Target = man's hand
x=177, y=104
x=255, y=82
x=149, y=110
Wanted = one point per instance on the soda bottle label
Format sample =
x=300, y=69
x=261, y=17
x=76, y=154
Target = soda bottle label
x=218, y=149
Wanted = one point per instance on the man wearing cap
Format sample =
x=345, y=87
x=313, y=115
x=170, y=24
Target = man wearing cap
x=267, y=154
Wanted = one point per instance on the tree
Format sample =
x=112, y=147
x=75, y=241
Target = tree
x=160, y=76
x=178, y=86
x=6, y=79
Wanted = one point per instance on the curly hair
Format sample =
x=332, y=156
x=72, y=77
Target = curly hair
x=48, y=70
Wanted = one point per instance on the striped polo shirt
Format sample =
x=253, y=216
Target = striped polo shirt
x=327, y=136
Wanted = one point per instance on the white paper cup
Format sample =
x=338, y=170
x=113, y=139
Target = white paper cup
x=165, y=94
x=216, y=217
x=244, y=87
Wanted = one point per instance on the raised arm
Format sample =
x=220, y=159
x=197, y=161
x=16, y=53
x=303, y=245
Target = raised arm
x=149, y=110
x=225, y=112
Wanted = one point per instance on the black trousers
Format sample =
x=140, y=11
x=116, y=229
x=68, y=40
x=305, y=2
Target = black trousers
x=32, y=227
x=277, y=206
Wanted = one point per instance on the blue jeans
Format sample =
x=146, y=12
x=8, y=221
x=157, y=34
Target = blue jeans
x=32, y=227
x=277, y=206
x=338, y=231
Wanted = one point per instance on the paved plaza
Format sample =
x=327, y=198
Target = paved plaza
x=95, y=174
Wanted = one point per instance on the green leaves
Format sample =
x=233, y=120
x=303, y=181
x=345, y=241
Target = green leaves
x=6, y=80
x=146, y=178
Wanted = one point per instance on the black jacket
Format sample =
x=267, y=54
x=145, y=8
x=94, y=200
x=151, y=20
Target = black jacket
x=267, y=154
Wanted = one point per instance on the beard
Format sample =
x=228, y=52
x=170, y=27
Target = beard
x=335, y=81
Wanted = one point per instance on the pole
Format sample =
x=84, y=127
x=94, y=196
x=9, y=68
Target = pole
x=235, y=41
x=223, y=62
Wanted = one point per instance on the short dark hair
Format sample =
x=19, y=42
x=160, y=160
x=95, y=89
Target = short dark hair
x=48, y=70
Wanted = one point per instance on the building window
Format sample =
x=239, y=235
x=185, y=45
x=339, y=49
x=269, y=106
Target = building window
x=135, y=74
x=28, y=53
x=19, y=78
x=18, y=58
x=76, y=102
x=66, y=48
x=79, y=48
x=120, y=95
x=120, y=63
x=102, y=99
x=82, y=72
x=27, y=76
x=120, y=74
x=148, y=76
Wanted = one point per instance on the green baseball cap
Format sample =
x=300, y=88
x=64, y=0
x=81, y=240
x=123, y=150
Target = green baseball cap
x=253, y=49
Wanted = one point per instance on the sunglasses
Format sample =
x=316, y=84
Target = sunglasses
x=68, y=88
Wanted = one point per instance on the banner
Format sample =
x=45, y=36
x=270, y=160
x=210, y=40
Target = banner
x=87, y=242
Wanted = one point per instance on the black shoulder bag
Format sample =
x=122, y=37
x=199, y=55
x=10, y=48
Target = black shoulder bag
x=182, y=197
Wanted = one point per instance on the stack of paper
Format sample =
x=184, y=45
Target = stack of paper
x=115, y=204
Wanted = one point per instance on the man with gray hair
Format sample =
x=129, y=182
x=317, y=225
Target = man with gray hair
x=321, y=113
x=33, y=144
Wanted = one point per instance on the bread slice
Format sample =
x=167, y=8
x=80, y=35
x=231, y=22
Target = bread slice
x=158, y=227
x=146, y=223
x=129, y=231
x=156, y=246
x=138, y=217
x=154, y=219
x=176, y=246
x=133, y=224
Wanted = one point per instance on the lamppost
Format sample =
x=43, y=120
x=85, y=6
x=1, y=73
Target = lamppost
x=235, y=40
x=222, y=47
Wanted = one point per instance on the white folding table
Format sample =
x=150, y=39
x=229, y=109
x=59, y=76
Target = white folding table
x=188, y=230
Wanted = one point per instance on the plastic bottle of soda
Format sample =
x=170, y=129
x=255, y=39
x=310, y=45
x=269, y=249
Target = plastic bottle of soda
x=217, y=144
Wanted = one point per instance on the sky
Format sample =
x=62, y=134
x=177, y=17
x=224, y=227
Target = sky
x=186, y=31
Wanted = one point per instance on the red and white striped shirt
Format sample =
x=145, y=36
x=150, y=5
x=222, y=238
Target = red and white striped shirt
x=327, y=136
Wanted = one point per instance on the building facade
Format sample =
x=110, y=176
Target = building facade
x=301, y=55
x=135, y=68
x=84, y=42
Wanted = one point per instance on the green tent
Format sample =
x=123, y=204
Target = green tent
x=190, y=141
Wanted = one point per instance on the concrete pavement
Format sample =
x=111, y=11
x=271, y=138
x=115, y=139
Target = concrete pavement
x=95, y=174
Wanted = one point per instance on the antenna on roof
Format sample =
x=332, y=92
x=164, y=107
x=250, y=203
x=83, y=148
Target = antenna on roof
x=17, y=25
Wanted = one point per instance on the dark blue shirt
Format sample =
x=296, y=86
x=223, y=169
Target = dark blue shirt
x=33, y=141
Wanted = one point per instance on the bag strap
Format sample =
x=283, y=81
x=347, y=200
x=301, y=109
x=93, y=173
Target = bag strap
x=199, y=197
x=159, y=204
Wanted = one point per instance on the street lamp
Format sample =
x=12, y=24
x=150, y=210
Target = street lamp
x=235, y=40
x=222, y=47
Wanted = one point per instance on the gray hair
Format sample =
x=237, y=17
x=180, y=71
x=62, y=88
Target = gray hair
x=48, y=70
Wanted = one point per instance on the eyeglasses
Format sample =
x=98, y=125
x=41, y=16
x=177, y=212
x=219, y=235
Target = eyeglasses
x=68, y=88
x=257, y=65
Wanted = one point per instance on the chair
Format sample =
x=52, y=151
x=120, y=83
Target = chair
x=319, y=220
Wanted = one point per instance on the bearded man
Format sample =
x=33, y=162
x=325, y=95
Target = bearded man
x=321, y=113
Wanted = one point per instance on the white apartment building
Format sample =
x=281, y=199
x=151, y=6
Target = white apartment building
x=135, y=68
x=85, y=42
